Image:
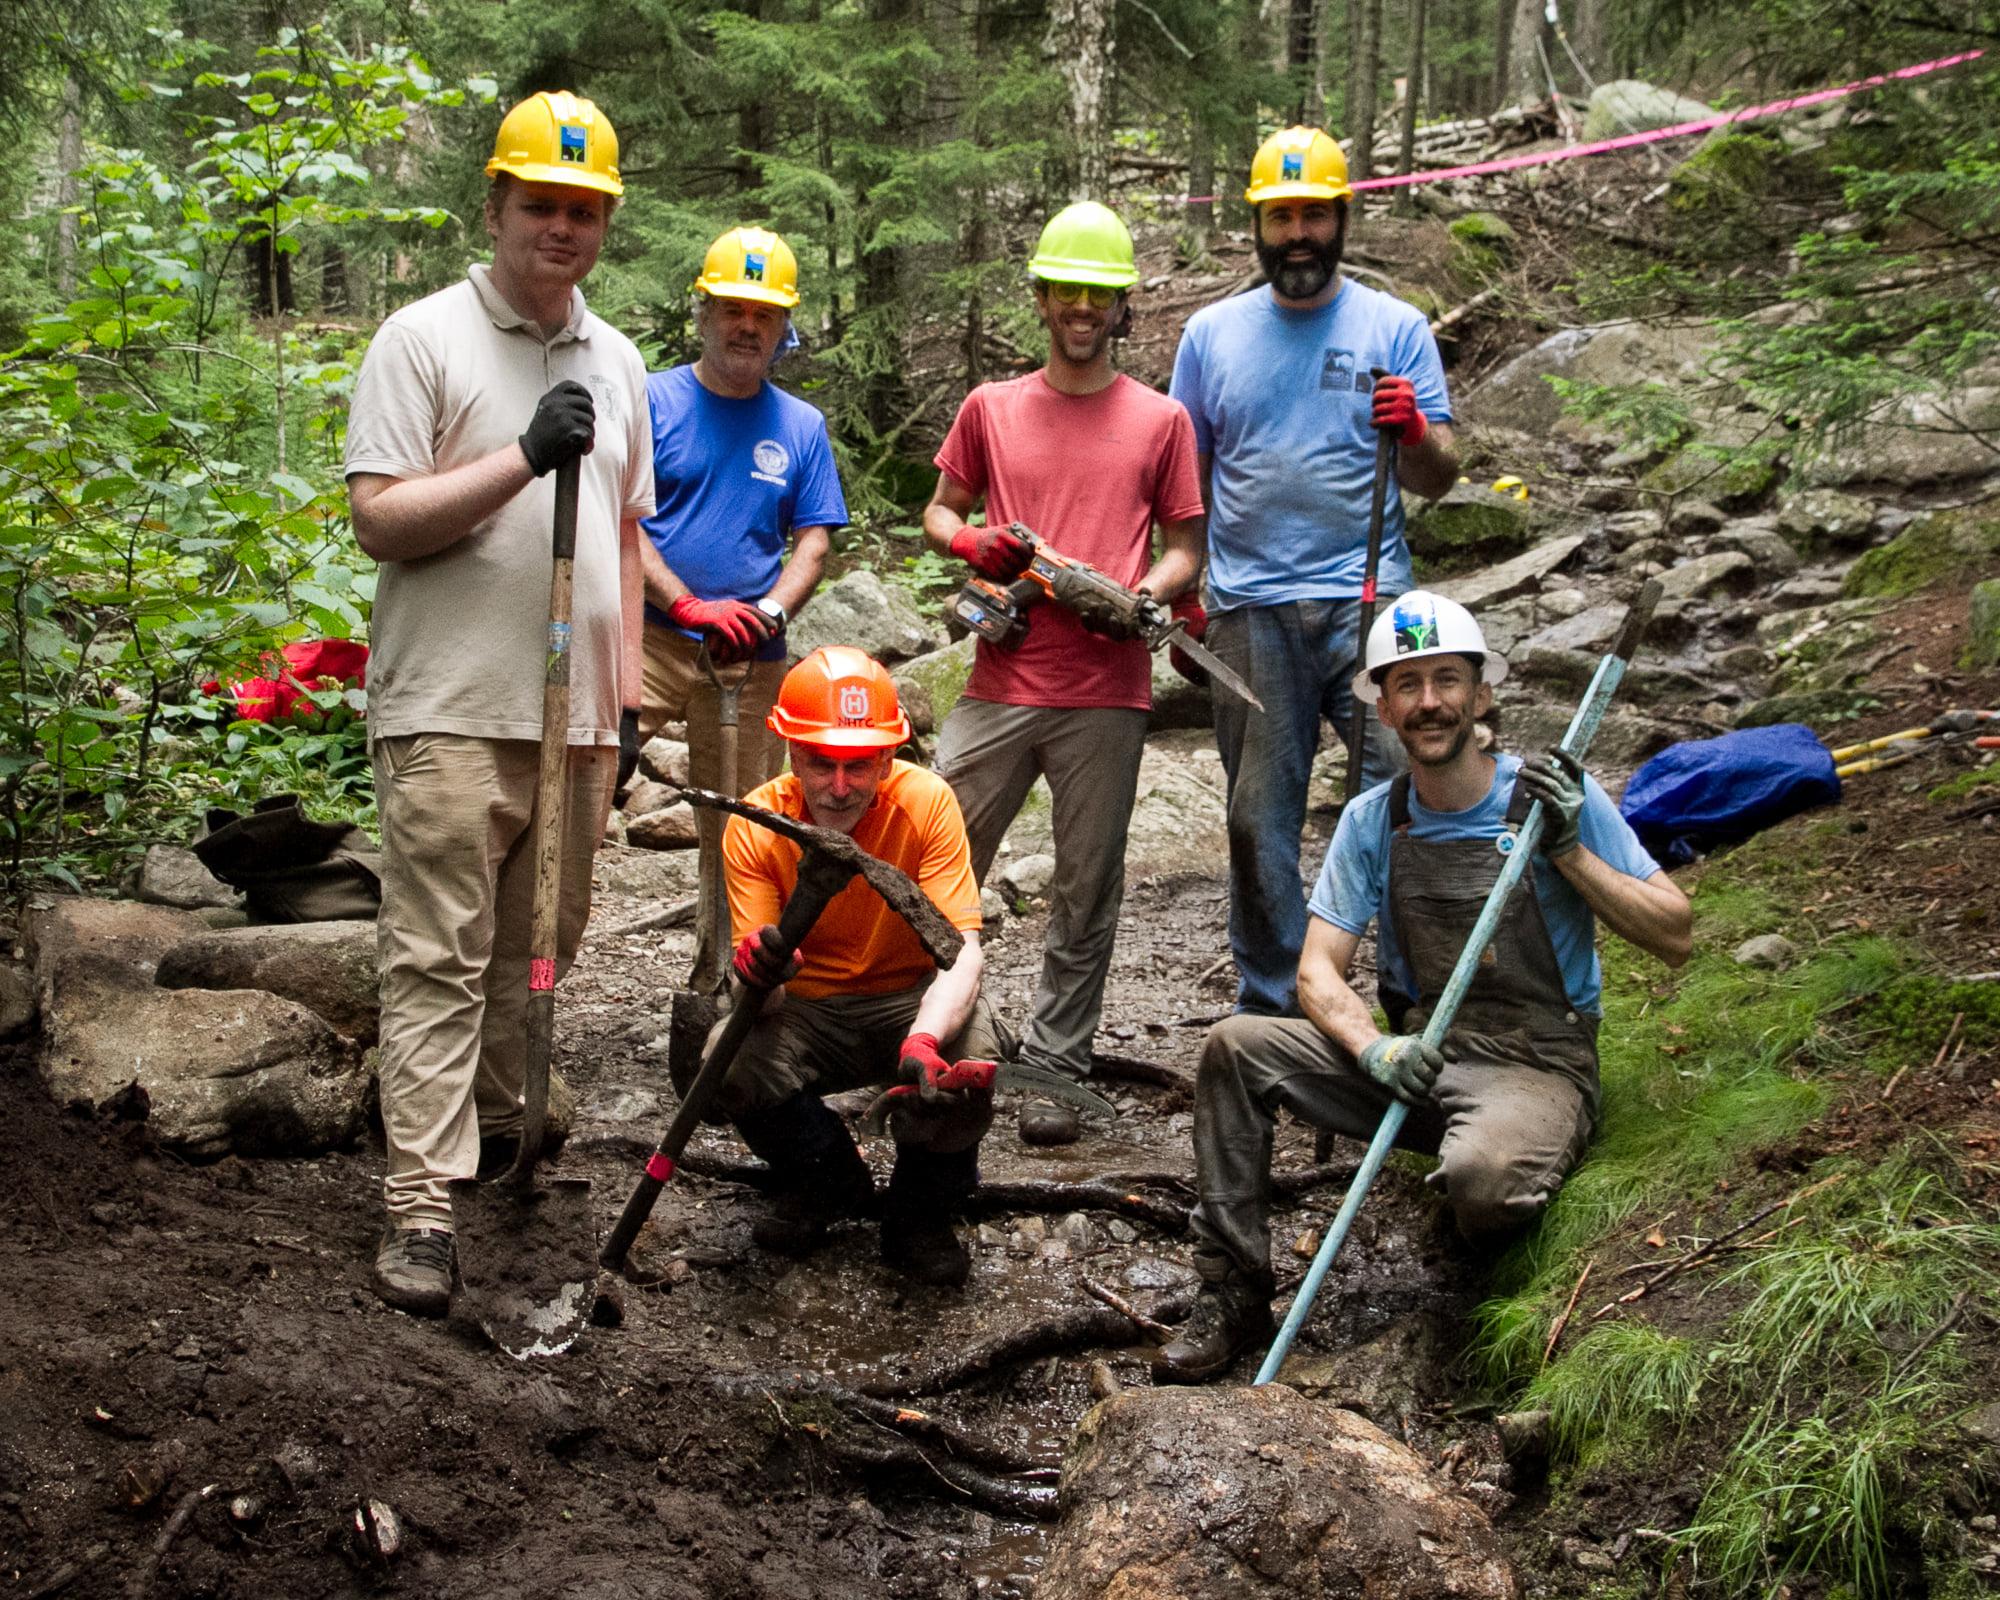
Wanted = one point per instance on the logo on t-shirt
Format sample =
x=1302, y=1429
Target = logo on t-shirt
x=771, y=460
x=1337, y=372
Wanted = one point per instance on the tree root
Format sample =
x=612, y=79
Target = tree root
x=883, y=1413
x=1046, y=1194
x=1074, y=1328
x=1028, y=1502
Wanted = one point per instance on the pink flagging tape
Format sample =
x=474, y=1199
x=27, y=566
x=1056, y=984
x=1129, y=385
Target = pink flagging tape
x=659, y=1167
x=1677, y=131
x=541, y=974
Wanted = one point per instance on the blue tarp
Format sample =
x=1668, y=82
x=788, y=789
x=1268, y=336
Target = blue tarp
x=1698, y=795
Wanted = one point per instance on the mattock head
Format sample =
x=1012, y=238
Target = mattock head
x=941, y=941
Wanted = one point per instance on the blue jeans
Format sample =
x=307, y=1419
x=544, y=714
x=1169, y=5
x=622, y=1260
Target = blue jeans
x=1299, y=658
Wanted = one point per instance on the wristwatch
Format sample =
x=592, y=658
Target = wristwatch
x=773, y=610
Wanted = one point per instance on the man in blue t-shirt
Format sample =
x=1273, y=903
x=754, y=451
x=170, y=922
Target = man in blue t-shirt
x=1286, y=418
x=1509, y=1111
x=739, y=467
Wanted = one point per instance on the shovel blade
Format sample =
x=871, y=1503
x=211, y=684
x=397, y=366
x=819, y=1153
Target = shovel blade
x=527, y=1257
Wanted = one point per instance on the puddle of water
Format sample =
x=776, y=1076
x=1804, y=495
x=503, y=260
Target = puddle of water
x=1006, y=1566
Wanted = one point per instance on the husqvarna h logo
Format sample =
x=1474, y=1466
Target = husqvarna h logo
x=854, y=704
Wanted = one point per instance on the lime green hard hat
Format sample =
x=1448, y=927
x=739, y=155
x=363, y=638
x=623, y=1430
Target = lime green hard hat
x=1085, y=243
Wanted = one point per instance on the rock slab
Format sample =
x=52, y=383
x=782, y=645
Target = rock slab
x=327, y=967
x=1212, y=1494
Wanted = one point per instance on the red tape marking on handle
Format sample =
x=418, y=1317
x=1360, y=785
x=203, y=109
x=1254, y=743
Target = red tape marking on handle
x=541, y=974
x=1367, y=591
x=659, y=1167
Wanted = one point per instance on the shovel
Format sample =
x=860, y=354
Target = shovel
x=698, y=1007
x=528, y=1252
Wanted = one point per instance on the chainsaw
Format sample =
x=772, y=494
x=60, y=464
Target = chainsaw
x=983, y=1077
x=998, y=613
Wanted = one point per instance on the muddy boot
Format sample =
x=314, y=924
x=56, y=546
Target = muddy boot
x=415, y=1269
x=925, y=1188
x=1229, y=1317
x=1050, y=1122
x=821, y=1176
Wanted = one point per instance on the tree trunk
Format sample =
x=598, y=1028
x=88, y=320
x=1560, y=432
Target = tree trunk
x=69, y=156
x=1079, y=44
x=1590, y=40
x=1503, y=51
x=1526, y=80
x=1367, y=71
x=1412, y=92
x=1201, y=185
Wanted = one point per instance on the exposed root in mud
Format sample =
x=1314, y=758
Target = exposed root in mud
x=883, y=1413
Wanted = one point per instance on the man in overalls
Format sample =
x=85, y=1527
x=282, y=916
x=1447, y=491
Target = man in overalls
x=1510, y=1108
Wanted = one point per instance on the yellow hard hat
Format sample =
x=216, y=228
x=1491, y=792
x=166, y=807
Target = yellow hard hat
x=1511, y=485
x=1298, y=164
x=558, y=138
x=751, y=264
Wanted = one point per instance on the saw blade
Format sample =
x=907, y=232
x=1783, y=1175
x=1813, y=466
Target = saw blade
x=1202, y=656
x=1056, y=1085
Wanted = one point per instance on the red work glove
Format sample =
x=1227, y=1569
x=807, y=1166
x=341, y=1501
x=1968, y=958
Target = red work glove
x=735, y=628
x=993, y=552
x=920, y=1063
x=1396, y=410
x=1188, y=610
x=762, y=961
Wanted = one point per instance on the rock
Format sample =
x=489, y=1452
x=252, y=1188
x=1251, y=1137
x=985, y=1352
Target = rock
x=614, y=828
x=1765, y=546
x=1591, y=631
x=1521, y=575
x=647, y=796
x=1470, y=520
x=1743, y=660
x=1815, y=520
x=671, y=828
x=1392, y=1373
x=1654, y=552
x=1179, y=812
x=1628, y=528
x=861, y=610
x=171, y=876
x=1519, y=396
x=1028, y=876
x=992, y=908
x=1982, y=1423
x=1732, y=466
x=1809, y=590
x=1626, y=738
x=1920, y=442
x=1631, y=105
x=664, y=760
x=1982, y=639
x=1829, y=647
x=1771, y=950
x=218, y=1071
x=1724, y=572
x=1816, y=709
x=17, y=1002
x=1562, y=603
x=645, y=874
x=1173, y=1494
x=327, y=967
x=1693, y=518
x=1932, y=549
x=938, y=677
x=915, y=699
x=1178, y=703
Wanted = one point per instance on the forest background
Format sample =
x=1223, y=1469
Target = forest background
x=214, y=202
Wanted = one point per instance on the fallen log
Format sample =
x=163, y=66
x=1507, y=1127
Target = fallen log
x=1079, y=1327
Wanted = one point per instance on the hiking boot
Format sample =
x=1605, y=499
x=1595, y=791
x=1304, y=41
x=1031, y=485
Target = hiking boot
x=1228, y=1318
x=415, y=1269
x=925, y=1187
x=821, y=1177
x=925, y=1249
x=1050, y=1122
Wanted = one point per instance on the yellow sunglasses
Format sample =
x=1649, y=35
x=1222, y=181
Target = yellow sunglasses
x=1070, y=293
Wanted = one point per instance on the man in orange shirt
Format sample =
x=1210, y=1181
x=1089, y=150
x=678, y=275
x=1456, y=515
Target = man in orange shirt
x=860, y=1002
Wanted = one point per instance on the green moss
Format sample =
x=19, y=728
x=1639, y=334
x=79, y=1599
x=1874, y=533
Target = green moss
x=1731, y=477
x=1966, y=783
x=1931, y=550
x=1728, y=174
x=1817, y=709
x=1982, y=642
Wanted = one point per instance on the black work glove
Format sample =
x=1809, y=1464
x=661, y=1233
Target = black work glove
x=564, y=427
x=628, y=745
x=1100, y=613
x=1556, y=779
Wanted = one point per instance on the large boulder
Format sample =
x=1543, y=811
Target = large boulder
x=1469, y=521
x=663, y=875
x=1180, y=816
x=1519, y=396
x=327, y=967
x=1631, y=105
x=1720, y=572
x=861, y=610
x=1816, y=521
x=1214, y=1494
x=935, y=680
x=669, y=828
x=1931, y=550
x=1920, y=442
x=219, y=1071
x=1522, y=575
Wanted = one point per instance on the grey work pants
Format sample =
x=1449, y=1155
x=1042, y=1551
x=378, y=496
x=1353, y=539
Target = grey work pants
x=1506, y=1135
x=846, y=1041
x=991, y=754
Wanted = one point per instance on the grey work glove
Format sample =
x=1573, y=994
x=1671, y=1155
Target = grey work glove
x=1556, y=779
x=564, y=427
x=1403, y=1064
x=1095, y=607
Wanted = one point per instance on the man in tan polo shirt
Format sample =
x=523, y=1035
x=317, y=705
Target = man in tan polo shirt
x=466, y=403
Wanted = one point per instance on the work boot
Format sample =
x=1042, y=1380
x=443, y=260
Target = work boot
x=415, y=1269
x=1050, y=1122
x=821, y=1177
x=917, y=1238
x=1228, y=1318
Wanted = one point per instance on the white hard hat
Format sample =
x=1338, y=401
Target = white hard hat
x=1424, y=624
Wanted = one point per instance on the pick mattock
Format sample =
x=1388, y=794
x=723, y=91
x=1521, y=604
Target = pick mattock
x=828, y=862
x=525, y=1251
x=1519, y=848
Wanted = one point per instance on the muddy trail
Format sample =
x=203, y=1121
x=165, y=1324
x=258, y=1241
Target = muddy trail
x=201, y=1394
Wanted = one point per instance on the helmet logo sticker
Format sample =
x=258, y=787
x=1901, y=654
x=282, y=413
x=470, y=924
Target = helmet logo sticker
x=1415, y=624
x=753, y=266
x=575, y=144
x=854, y=704
x=1292, y=165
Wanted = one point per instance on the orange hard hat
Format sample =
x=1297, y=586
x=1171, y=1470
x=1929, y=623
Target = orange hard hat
x=839, y=698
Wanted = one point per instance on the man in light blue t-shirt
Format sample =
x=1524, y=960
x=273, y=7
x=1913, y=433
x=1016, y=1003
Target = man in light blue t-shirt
x=1509, y=1112
x=1286, y=418
x=740, y=468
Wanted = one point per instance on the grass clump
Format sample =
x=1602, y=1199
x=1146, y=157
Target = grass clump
x=1617, y=1389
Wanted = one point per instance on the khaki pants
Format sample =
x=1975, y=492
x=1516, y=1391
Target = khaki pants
x=678, y=690
x=458, y=887
x=991, y=754
x=1506, y=1135
x=846, y=1041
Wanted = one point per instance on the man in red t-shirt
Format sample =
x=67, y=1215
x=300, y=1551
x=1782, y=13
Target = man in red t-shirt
x=1091, y=461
